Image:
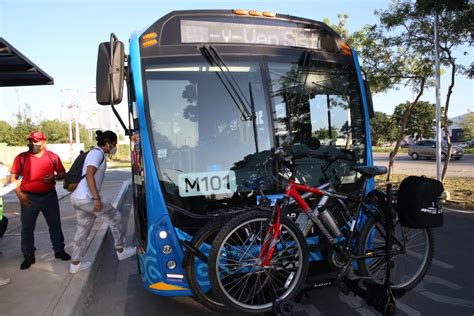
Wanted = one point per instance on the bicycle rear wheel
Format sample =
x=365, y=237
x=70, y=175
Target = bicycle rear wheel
x=412, y=253
x=236, y=275
x=196, y=269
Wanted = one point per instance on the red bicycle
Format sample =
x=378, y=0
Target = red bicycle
x=260, y=258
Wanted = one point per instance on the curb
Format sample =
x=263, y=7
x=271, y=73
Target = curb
x=458, y=211
x=75, y=292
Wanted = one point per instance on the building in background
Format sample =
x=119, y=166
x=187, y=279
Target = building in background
x=455, y=128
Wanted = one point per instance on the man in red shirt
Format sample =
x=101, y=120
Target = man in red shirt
x=35, y=172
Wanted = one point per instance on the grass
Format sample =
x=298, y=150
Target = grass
x=388, y=149
x=460, y=189
x=405, y=150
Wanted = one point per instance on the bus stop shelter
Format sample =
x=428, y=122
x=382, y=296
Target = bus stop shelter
x=17, y=70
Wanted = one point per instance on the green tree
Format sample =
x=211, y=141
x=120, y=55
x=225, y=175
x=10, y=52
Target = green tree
x=421, y=122
x=468, y=126
x=382, y=129
x=55, y=130
x=5, y=132
x=23, y=126
x=87, y=137
x=416, y=21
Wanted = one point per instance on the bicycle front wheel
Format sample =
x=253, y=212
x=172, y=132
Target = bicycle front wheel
x=412, y=253
x=237, y=276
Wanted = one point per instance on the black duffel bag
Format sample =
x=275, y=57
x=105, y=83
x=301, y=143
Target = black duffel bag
x=419, y=202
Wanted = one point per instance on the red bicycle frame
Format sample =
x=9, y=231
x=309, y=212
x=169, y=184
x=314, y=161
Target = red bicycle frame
x=273, y=232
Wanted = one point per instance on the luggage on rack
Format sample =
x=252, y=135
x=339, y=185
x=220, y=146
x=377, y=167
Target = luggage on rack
x=419, y=203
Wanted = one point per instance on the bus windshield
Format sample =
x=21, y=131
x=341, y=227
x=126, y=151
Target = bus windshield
x=206, y=149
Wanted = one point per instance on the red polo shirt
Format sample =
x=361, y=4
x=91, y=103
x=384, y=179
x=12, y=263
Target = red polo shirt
x=35, y=169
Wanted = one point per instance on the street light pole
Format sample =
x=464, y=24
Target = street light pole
x=73, y=113
x=438, y=102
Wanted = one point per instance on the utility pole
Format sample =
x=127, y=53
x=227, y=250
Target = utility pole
x=72, y=105
x=438, y=101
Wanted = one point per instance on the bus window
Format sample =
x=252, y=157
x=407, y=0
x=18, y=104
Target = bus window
x=199, y=133
x=320, y=102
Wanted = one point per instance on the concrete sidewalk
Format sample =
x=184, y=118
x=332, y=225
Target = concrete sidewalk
x=47, y=288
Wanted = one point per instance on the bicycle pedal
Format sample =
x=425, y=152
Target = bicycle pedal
x=356, y=277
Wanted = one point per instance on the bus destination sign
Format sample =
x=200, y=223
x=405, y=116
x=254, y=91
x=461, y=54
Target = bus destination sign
x=218, y=32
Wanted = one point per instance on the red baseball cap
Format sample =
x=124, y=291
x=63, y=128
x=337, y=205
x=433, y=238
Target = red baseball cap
x=36, y=136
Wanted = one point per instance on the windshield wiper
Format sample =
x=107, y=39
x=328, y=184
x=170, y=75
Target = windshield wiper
x=229, y=82
x=254, y=121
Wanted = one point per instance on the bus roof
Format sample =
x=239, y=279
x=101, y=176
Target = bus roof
x=241, y=27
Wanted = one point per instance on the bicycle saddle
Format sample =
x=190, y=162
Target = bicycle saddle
x=370, y=172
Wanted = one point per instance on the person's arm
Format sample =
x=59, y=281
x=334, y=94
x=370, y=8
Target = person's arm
x=59, y=170
x=22, y=196
x=90, y=179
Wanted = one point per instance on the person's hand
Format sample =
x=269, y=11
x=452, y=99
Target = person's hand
x=24, y=199
x=48, y=178
x=97, y=205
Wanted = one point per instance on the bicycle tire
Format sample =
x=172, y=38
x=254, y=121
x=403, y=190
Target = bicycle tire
x=372, y=236
x=190, y=261
x=281, y=281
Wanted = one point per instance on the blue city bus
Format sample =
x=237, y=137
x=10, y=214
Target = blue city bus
x=210, y=93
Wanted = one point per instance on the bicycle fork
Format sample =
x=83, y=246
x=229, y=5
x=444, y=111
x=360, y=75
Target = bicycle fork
x=271, y=238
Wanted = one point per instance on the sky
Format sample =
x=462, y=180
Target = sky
x=61, y=37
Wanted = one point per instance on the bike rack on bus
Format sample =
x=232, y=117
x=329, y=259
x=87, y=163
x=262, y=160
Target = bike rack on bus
x=380, y=296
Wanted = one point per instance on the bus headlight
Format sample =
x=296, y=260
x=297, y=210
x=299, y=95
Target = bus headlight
x=171, y=264
x=167, y=249
x=163, y=234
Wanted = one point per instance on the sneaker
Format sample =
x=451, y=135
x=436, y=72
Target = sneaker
x=29, y=260
x=63, y=255
x=5, y=281
x=127, y=253
x=74, y=268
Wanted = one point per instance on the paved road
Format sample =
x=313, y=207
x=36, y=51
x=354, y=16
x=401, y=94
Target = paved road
x=447, y=289
x=463, y=168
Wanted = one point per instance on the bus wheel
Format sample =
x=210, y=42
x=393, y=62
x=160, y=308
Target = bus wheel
x=202, y=241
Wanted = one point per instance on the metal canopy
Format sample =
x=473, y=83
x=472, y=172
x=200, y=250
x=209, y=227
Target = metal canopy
x=17, y=70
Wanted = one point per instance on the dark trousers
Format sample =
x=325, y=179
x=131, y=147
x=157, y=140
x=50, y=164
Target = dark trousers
x=48, y=204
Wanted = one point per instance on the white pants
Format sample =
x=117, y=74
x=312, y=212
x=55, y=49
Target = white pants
x=85, y=221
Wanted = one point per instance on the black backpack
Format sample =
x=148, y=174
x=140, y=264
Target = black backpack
x=419, y=202
x=74, y=175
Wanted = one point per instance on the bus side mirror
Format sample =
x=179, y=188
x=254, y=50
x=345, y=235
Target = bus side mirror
x=368, y=97
x=110, y=72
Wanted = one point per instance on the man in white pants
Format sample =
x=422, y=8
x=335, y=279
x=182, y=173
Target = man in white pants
x=89, y=204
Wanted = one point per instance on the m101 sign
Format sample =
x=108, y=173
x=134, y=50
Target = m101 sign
x=221, y=32
x=207, y=183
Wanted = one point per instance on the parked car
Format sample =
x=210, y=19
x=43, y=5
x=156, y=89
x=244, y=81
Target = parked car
x=404, y=144
x=471, y=143
x=427, y=148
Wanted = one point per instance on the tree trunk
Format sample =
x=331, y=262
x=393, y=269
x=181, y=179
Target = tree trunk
x=445, y=118
x=402, y=130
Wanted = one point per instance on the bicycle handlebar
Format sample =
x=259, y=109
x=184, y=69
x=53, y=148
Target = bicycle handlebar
x=287, y=158
x=282, y=155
